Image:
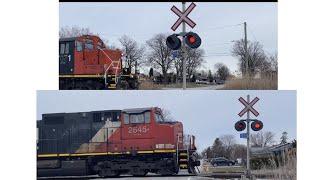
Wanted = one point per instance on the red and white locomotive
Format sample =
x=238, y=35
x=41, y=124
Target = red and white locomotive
x=113, y=142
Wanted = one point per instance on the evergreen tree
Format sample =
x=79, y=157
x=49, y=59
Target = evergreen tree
x=151, y=72
x=284, y=138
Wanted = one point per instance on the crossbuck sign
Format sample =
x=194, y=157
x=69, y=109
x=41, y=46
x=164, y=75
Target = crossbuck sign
x=248, y=106
x=183, y=16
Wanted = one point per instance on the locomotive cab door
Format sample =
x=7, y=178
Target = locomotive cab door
x=136, y=131
x=66, y=57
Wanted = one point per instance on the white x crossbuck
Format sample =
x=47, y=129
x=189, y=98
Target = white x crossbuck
x=248, y=106
x=183, y=16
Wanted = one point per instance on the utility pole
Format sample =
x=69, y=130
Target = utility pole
x=184, y=73
x=246, y=50
x=248, y=173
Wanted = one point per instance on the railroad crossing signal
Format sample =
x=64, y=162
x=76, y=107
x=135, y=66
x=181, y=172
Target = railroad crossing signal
x=256, y=125
x=183, y=16
x=248, y=106
x=191, y=39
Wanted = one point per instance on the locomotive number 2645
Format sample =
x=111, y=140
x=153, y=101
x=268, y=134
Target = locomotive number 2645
x=138, y=129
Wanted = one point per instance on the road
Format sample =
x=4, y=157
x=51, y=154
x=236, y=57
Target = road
x=209, y=87
x=150, y=176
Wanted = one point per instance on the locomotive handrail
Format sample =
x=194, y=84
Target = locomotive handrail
x=111, y=64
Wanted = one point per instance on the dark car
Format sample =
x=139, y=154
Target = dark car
x=221, y=161
x=219, y=81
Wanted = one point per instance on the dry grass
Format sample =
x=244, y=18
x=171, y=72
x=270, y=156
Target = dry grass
x=288, y=169
x=252, y=84
x=149, y=85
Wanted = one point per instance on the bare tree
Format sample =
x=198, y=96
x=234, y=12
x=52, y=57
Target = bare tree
x=133, y=53
x=238, y=151
x=274, y=61
x=228, y=142
x=256, y=56
x=194, y=60
x=262, y=139
x=223, y=71
x=160, y=55
x=166, y=114
x=74, y=31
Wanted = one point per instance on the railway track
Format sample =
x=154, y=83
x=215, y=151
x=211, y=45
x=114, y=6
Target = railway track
x=154, y=176
x=151, y=176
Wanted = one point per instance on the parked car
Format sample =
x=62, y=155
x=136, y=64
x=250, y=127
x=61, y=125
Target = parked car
x=219, y=81
x=202, y=82
x=221, y=161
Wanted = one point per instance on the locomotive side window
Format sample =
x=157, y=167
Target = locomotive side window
x=79, y=46
x=67, y=49
x=147, y=117
x=62, y=47
x=88, y=44
x=126, y=118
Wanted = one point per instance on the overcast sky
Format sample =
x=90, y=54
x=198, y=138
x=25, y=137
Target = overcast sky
x=206, y=114
x=217, y=24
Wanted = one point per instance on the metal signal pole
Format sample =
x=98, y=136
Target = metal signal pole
x=248, y=140
x=246, y=49
x=184, y=73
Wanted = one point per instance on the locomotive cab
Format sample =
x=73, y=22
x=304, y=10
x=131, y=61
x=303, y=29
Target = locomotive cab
x=86, y=63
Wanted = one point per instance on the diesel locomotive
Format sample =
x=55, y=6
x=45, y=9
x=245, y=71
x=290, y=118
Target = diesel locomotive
x=85, y=63
x=109, y=143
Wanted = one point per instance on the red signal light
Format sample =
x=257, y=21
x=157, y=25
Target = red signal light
x=192, y=39
x=256, y=125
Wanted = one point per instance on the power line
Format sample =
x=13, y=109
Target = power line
x=254, y=37
x=223, y=27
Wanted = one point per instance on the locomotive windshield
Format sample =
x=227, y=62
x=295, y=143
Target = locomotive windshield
x=137, y=118
x=64, y=48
